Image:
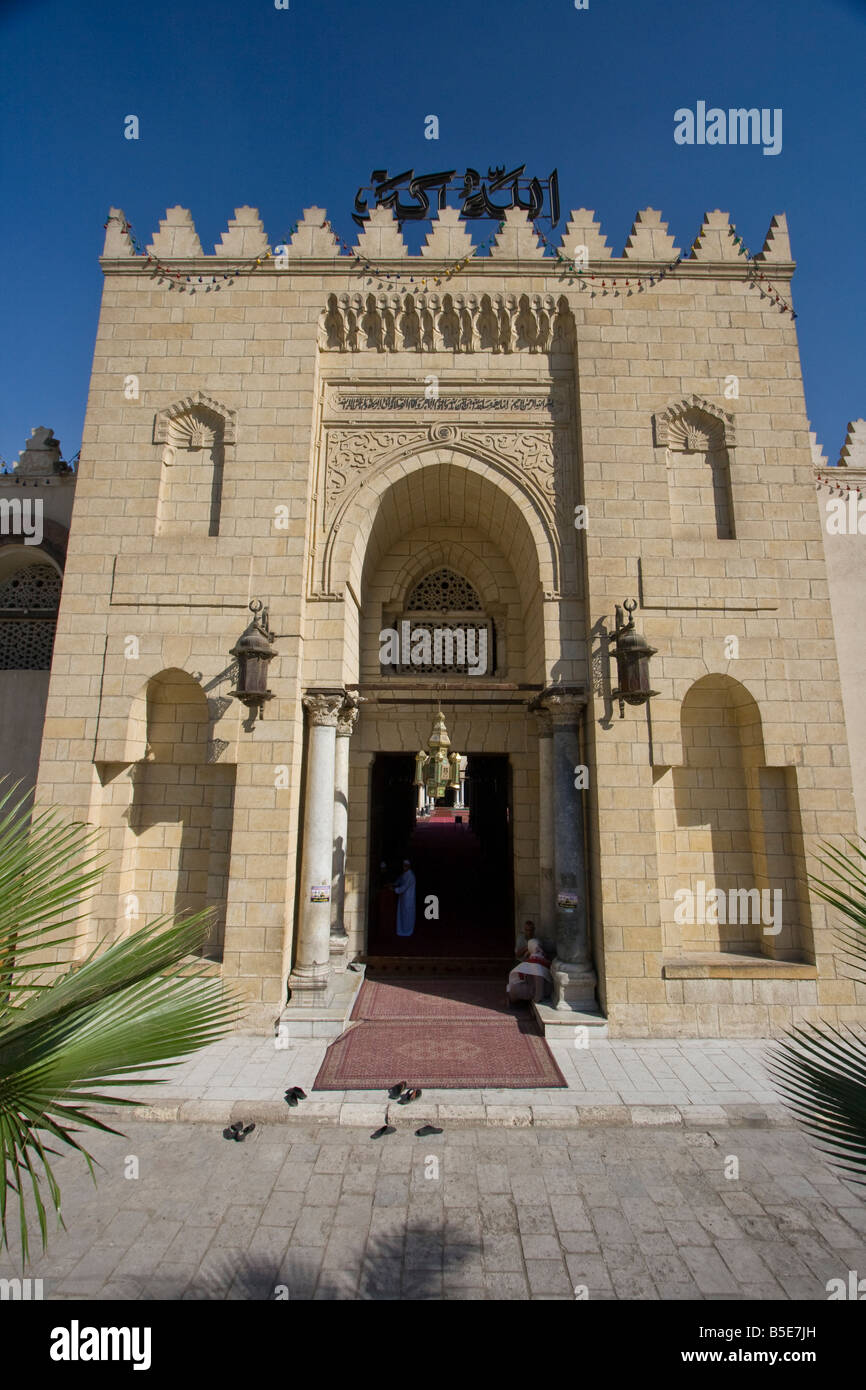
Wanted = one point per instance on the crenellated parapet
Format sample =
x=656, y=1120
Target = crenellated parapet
x=517, y=244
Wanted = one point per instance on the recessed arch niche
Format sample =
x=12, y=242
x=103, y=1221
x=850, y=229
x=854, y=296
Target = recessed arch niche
x=177, y=805
x=728, y=821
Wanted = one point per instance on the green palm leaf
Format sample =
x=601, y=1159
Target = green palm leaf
x=819, y=1069
x=67, y=1039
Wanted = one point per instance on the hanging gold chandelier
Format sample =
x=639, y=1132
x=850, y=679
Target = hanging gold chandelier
x=436, y=769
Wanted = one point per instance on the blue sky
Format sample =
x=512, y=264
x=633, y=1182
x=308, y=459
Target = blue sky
x=239, y=102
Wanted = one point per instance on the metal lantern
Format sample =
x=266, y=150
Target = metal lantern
x=436, y=769
x=253, y=651
x=632, y=661
x=454, y=783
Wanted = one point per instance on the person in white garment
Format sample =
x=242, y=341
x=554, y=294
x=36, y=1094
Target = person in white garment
x=531, y=978
x=404, y=887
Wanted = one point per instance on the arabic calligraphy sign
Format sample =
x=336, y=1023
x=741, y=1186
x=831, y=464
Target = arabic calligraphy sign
x=479, y=197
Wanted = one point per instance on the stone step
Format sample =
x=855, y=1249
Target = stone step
x=472, y=967
x=559, y=1024
x=327, y=1019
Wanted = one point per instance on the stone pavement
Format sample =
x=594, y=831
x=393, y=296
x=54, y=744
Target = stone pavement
x=702, y=1081
x=319, y=1211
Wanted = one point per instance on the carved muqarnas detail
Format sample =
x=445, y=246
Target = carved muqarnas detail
x=690, y=437
x=446, y=323
x=694, y=424
x=204, y=411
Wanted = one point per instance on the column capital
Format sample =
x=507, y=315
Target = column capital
x=543, y=722
x=561, y=704
x=347, y=717
x=323, y=708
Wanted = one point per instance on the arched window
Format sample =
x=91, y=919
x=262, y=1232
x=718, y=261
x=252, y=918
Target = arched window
x=29, y=599
x=442, y=630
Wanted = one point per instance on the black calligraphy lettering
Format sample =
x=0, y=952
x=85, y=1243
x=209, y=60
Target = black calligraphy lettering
x=476, y=195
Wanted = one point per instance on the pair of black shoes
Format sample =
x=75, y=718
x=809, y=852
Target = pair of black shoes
x=403, y=1094
x=239, y=1131
x=421, y=1133
x=294, y=1095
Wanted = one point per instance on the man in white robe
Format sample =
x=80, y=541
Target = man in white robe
x=405, y=890
x=531, y=978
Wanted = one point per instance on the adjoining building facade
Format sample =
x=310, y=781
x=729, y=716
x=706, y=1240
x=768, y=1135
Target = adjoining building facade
x=35, y=511
x=497, y=444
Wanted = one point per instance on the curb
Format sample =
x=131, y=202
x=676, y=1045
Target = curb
x=366, y=1115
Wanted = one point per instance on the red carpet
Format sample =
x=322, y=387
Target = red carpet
x=444, y=1034
x=449, y=1000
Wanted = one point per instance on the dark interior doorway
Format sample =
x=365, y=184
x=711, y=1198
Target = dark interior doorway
x=465, y=865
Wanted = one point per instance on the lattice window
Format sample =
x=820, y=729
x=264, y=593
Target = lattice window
x=443, y=605
x=449, y=640
x=28, y=618
x=443, y=591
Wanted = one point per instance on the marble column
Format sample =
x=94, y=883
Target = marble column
x=347, y=718
x=546, y=887
x=311, y=974
x=573, y=975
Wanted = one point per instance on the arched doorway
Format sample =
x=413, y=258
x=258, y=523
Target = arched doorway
x=462, y=859
x=445, y=523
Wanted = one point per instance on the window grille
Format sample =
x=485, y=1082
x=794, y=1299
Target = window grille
x=29, y=599
x=448, y=608
x=443, y=591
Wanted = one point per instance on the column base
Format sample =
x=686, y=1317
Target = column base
x=307, y=1017
x=310, y=985
x=573, y=986
x=339, y=950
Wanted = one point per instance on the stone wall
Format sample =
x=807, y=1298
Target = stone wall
x=842, y=511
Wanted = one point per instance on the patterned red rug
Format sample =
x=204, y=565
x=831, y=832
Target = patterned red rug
x=456, y=1036
x=450, y=1000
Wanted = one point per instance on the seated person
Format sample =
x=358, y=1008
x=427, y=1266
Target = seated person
x=531, y=978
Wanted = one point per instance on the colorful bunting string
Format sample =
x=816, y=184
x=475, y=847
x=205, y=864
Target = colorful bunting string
x=841, y=489
x=421, y=282
x=365, y=267
x=609, y=284
x=195, y=282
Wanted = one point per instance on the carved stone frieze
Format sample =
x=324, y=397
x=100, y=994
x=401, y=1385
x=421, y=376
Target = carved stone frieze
x=425, y=322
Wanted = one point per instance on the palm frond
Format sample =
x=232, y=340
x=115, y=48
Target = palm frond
x=821, y=1072
x=820, y=1069
x=70, y=1035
